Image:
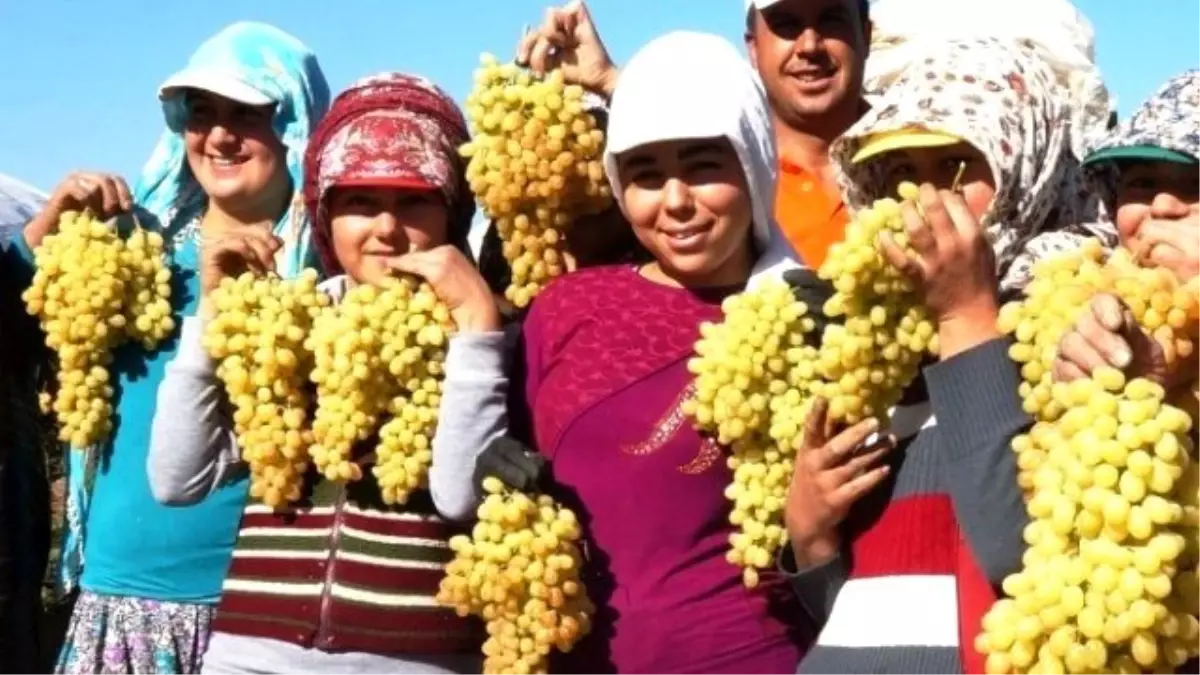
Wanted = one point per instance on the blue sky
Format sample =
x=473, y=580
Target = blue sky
x=80, y=76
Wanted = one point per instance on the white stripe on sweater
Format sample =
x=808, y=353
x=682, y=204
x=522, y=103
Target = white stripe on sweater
x=391, y=539
x=398, y=563
x=285, y=531
x=894, y=611
x=282, y=554
x=272, y=587
x=262, y=510
x=384, y=599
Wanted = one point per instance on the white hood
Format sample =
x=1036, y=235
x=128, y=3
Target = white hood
x=687, y=85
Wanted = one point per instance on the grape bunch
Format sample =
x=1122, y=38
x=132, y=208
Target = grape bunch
x=256, y=334
x=1109, y=576
x=92, y=291
x=535, y=166
x=867, y=360
x=519, y=571
x=755, y=377
x=379, y=355
x=745, y=388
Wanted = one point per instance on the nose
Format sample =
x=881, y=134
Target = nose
x=221, y=137
x=808, y=41
x=387, y=228
x=1168, y=207
x=677, y=199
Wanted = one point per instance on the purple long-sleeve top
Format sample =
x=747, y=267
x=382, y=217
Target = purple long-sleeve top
x=605, y=354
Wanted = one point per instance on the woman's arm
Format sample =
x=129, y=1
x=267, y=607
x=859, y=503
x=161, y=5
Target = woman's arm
x=473, y=412
x=978, y=409
x=193, y=449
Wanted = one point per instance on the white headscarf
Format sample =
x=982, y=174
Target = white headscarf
x=687, y=85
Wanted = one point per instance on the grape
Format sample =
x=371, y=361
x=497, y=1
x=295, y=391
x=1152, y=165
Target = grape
x=256, y=333
x=867, y=360
x=1109, y=576
x=379, y=356
x=534, y=166
x=519, y=571
x=91, y=291
x=742, y=371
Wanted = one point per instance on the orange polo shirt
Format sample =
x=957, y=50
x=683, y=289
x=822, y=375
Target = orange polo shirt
x=811, y=215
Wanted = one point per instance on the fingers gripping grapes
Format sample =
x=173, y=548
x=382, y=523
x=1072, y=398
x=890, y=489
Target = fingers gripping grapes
x=833, y=471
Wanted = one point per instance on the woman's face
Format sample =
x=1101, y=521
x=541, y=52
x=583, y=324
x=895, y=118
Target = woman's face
x=940, y=166
x=234, y=154
x=689, y=205
x=1150, y=191
x=371, y=226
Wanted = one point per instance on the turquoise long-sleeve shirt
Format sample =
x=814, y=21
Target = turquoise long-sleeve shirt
x=134, y=546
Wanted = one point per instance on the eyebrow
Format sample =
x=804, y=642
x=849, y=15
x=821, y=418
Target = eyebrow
x=637, y=161
x=701, y=149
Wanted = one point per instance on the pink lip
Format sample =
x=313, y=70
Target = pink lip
x=693, y=242
x=226, y=170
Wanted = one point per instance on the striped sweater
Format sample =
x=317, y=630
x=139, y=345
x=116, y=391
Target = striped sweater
x=924, y=552
x=346, y=574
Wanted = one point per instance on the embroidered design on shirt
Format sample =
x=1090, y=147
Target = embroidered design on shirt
x=666, y=428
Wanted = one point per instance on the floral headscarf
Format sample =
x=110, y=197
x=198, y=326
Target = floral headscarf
x=1170, y=119
x=389, y=129
x=1001, y=99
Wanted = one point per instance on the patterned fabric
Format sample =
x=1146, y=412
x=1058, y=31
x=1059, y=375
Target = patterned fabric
x=170, y=199
x=1062, y=36
x=1169, y=119
x=109, y=634
x=389, y=129
x=998, y=98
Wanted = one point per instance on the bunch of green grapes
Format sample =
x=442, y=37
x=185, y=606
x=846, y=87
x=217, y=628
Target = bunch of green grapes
x=1061, y=290
x=1109, y=576
x=1109, y=579
x=745, y=390
x=535, y=166
x=256, y=333
x=91, y=291
x=379, y=356
x=868, y=359
x=519, y=571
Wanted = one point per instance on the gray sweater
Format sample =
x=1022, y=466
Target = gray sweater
x=193, y=450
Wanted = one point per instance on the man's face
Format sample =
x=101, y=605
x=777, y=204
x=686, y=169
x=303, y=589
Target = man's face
x=810, y=55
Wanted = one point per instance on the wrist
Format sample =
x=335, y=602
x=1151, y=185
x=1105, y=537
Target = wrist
x=967, y=327
x=483, y=319
x=608, y=82
x=810, y=550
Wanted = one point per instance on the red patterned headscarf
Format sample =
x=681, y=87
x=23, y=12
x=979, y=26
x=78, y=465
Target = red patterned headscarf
x=385, y=130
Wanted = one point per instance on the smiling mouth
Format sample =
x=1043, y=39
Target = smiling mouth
x=686, y=232
x=226, y=162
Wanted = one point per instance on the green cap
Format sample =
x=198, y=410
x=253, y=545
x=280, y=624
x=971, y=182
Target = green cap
x=1151, y=153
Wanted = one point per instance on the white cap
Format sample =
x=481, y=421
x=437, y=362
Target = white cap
x=220, y=82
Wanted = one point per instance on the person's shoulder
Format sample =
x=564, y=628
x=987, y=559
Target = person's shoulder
x=583, y=283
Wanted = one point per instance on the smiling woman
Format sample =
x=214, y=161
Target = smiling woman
x=238, y=118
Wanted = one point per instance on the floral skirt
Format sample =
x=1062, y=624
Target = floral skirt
x=114, y=634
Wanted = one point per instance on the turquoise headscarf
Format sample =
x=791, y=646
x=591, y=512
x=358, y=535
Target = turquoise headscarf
x=255, y=60
x=280, y=68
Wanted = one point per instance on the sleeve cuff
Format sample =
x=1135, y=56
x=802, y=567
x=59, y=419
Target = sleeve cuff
x=816, y=587
x=192, y=354
x=973, y=392
x=477, y=356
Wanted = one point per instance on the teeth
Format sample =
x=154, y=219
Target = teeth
x=221, y=161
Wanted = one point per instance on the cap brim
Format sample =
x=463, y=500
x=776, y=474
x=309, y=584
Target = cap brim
x=1146, y=153
x=903, y=139
x=759, y=4
x=220, y=83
